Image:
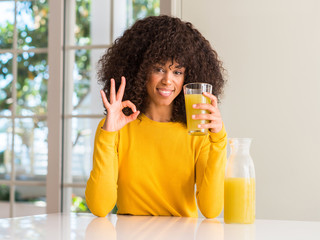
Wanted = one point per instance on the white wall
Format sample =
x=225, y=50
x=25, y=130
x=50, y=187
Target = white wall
x=271, y=50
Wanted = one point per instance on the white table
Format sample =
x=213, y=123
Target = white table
x=86, y=226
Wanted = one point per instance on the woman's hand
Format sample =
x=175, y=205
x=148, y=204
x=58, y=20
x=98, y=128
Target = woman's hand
x=116, y=119
x=214, y=117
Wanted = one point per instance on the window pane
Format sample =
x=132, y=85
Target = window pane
x=138, y=9
x=6, y=24
x=4, y=201
x=82, y=90
x=89, y=23
x=6, y=78
x=32, y=85
x=32, y=24
x=5, y=148
x=31, y=149
x=83, y=19
x=81, y=76
x=79, y=149
x=30, y=200
x=74, y=200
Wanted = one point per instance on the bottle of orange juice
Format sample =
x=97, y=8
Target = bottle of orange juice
x=239, y=188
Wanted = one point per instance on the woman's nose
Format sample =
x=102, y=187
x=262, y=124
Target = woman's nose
x=167, y=78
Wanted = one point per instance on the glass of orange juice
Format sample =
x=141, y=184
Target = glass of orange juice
x=193, y=95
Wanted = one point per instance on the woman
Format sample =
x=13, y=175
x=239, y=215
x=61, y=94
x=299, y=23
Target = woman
x=144, y=161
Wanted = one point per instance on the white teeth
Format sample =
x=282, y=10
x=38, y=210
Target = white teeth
x=165, y=93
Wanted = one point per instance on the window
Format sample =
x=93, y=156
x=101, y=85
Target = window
x=32, y=38
x=91, y=27
x=23, y=106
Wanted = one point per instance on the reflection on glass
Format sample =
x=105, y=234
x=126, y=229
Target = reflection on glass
x=5, y=148
x=32, y=24
x=31, y=149
x=6, y=24
x=79, y=148
x=30, y=200
x=32, y=84
x=6, y=78
x=74, y=200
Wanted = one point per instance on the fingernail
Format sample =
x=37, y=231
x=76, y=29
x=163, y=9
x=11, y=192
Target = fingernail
x=199, y=126
x=193, y=116
x=194, y=105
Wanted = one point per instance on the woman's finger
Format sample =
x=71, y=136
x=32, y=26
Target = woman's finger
x=214, y=127
x=133, y=116
x=112, y=91
x=206, y=125
x=210, y=117
x=121, y=89
x=129, y=104
x=104, y=99
x=213, y=98
x=205, y=106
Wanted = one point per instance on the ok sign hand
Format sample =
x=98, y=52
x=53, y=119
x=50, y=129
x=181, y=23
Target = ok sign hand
x=116, y=119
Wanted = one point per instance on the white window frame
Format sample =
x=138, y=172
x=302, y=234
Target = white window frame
x=171, y=7
x=55, y=110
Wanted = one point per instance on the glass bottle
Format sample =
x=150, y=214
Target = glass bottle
x=239, y=189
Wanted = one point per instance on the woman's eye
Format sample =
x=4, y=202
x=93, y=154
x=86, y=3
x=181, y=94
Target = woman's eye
x=178, y=72
x=158, y=69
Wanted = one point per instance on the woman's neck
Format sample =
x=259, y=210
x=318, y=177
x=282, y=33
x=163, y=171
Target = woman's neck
x=159, y=114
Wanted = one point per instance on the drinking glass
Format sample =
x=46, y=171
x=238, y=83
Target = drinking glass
x=193, y=95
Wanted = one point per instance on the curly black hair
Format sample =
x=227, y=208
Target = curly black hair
x=155, y=40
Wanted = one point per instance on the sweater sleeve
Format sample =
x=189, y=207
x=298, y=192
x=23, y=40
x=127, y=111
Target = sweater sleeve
x=101, y=189
x=210, y=171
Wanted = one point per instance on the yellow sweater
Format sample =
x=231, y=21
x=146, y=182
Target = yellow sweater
x=151, y=168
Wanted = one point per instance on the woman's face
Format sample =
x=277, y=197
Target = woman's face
x=164, y=83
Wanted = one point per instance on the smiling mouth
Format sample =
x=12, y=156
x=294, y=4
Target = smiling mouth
x=164, y=92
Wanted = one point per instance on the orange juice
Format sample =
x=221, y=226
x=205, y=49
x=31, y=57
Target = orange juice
x=239, y=200
x=192, y=124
